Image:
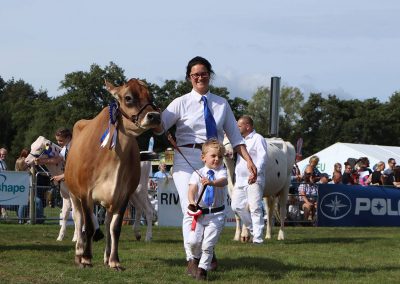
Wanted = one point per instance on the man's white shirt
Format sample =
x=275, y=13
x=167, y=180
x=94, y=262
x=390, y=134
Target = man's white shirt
x=257, y=147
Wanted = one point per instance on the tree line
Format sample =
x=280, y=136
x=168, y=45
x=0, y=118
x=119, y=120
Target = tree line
x=320, y=121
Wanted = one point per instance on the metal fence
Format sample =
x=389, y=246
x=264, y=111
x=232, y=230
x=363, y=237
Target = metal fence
x=44, y=203
x=47, y=203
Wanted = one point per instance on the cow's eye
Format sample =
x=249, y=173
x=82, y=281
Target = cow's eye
x=128, y=99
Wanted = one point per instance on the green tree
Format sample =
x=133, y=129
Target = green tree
x=258, y=109
x=310, y=123
x=290, y=103
x=239, y=106
x=20, y=104
x=391, y=112
x=85, y=94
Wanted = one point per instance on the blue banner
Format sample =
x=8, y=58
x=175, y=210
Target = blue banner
x=353, y=205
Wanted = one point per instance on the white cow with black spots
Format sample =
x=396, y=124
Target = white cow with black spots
x=280, y=160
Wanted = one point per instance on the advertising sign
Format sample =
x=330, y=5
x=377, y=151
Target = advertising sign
x=14, y=188
x=351, y=205
x=169, y=208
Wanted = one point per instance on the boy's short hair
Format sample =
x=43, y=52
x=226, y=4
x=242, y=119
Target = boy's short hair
x=213, y=143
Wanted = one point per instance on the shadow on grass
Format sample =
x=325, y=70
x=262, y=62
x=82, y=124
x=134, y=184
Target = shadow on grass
x=37, y=247
x=168, y=241
x=272, y=269
x=321, y=240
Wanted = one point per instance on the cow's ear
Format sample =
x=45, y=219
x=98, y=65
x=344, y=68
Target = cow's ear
x=110, y=87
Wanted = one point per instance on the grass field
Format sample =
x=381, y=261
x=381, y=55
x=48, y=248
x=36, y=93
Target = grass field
x=30, y=254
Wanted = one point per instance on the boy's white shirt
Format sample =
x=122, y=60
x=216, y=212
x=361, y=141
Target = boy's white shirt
x=219, y=192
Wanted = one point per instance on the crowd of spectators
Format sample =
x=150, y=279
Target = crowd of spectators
x=356, y=172
x=304, y=188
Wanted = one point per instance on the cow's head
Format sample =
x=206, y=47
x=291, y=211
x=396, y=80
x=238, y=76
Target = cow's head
x=42, y=148
x=135, y=105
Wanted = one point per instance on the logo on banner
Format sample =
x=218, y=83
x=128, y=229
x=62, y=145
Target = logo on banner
x=12, y=188
x=335, y=205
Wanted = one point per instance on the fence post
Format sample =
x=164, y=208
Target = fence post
x=32, y=194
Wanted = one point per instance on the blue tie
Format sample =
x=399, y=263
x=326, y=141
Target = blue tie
x=211, y=126
x=209, y=194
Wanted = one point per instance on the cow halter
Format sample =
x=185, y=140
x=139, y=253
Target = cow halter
x=135, y=117
x=114, y=112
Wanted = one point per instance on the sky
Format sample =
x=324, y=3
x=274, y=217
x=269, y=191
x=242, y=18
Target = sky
x=349, y=48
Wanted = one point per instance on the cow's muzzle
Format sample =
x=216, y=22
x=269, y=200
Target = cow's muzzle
x=153, y=117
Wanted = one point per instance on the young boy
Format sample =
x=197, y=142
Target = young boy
x=207, y=226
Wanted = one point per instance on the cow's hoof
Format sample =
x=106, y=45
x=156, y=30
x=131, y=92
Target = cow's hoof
x=118, y=268
x=85, y=265
x=60, y=237
x=78, y=260
x=245, y=239
x=138, y=237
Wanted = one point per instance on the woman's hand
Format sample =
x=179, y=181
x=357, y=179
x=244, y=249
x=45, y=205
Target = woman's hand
x=58, y=178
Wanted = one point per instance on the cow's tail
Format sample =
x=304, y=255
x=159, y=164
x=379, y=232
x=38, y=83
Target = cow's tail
x=288, y=148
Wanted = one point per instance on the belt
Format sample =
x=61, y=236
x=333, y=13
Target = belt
x=212, y=210
x=195, y=145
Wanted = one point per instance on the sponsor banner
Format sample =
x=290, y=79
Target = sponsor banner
x=14, y=188
x=169, y=208
x=351, y=205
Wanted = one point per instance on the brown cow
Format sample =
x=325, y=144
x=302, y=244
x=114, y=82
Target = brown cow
x=107, y=175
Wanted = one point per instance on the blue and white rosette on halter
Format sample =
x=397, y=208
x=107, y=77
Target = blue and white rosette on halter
x=113, y=113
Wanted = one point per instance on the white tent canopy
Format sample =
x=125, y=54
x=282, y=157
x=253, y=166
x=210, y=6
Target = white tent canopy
x=340, y=152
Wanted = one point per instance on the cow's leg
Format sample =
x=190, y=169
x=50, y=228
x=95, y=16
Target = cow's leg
x=245, y=235
x=282, y=213
x=270, y=205
x=66, y=206
x=107, y=251
x=136, y=224
x=148, y=211
x=87, y=209
x=78, y=218
x=76, y=229
x=240, y=207
x=115, y=231
x=238, y=228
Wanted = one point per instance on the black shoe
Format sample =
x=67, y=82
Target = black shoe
x=98, y=235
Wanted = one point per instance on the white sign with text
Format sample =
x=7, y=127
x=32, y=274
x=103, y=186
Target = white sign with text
x=169, y=208
x=14, y=188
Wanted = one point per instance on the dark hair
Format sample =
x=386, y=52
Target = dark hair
x=195, y=61
x=396, y=173
x=64, y=133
